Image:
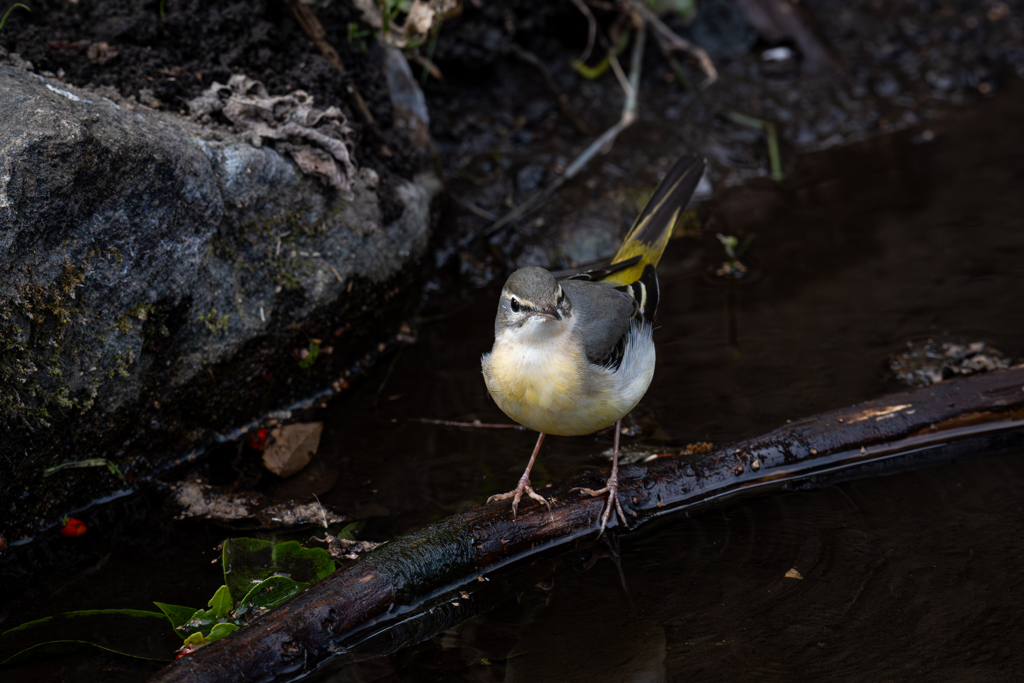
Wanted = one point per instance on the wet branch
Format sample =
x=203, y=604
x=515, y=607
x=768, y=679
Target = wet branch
x=425, y=582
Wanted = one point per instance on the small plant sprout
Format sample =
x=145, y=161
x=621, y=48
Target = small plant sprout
x=11, y=9
x=733, y=250
x=323, y=513
x=774, y=157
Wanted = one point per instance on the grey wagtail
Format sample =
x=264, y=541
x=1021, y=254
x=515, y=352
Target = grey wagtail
x=575, y=356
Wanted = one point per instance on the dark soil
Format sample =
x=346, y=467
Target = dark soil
x=194, y=43
x=858, y=68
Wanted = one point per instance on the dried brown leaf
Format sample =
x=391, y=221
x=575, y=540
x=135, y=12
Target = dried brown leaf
x=291, y=447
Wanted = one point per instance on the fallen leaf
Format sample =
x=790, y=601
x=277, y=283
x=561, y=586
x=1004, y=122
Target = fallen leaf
x=794, y=574
x=291, y=447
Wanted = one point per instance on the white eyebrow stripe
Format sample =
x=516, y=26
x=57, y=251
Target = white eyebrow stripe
x=522, y=301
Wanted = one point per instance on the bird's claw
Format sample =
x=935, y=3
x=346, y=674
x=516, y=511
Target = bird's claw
x=612, y=489
x=516, y=496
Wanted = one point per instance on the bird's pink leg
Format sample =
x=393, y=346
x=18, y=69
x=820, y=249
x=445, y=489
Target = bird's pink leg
x=524, y=485
x=611, y=487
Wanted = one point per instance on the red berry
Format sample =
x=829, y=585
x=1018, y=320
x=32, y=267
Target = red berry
x=73, y=527
x=258, y=439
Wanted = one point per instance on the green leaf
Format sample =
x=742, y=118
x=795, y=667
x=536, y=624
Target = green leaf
x=267, y=594
x=592, y=73
x=133, y=633
x=220, y=630
x=197, y=639
x=348, y=533
x=177, y=615
x=248, y=561
x=314, y=352
x=221, y=602
x=203, y=621
x=187, y=621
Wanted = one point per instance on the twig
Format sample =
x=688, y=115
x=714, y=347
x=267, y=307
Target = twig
x=312, y=27
x=92, y=462
x=473, y=208
x=475, y=424
x=627, y=87
x=673, y=64
x=676, y=42
x=560, y=97
x=591, y=28
x=387, y=376
x=429, y=68
x=629, y=107
x=774, y=158
x=601, y=144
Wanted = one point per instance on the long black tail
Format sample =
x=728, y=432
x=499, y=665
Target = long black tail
x=653, y=227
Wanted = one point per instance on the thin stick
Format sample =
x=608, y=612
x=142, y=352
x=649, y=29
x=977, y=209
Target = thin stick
x=677, y=42
x=673, y=64
x=601, y=144
x=387, y=376
x=774, y=157
x=624, y=83
x=473, y=208
x=474, y=425
x=591, y=28
x=560, y=97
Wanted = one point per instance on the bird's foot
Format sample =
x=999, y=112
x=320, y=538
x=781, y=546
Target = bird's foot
x=612, y=489
x=524, y=487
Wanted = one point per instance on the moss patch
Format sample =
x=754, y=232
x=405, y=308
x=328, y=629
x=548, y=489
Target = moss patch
x=33, y=327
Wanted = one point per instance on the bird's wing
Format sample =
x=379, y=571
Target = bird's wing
x=609, y=299
x=597, y=274
x=604, y=315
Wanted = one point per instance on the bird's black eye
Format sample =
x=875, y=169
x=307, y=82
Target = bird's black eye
x=515, y=306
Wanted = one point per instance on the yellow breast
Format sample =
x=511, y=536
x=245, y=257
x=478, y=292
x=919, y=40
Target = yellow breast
x=554, y=390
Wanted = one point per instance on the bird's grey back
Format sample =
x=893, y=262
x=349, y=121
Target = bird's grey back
x=603, y=316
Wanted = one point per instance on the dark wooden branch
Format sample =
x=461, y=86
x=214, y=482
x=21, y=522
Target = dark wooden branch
x=341, y=617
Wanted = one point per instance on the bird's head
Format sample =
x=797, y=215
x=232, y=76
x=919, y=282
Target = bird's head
x=532, y=304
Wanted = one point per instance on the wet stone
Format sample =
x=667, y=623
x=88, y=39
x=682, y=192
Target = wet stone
x=928, y=362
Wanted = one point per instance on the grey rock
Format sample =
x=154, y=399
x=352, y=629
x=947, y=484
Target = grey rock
x=139, y=252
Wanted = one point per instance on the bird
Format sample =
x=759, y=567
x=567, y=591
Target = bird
x=574, y=356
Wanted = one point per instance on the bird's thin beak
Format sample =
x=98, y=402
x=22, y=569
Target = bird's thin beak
x=550, y=312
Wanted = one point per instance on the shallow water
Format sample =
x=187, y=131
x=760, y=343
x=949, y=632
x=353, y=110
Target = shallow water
x=917, y=575
x=914, y=576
